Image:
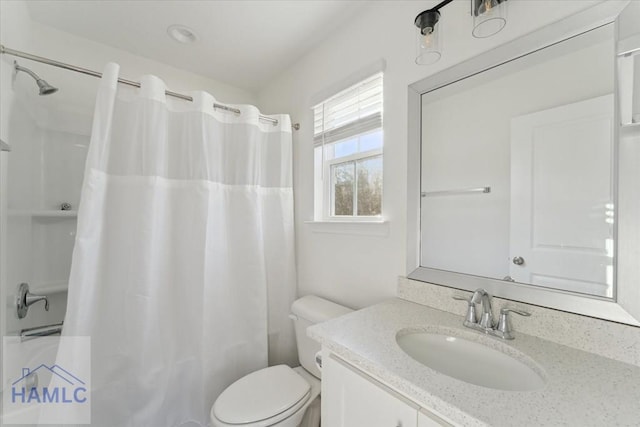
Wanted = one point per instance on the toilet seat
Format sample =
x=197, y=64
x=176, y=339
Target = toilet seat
x=262, y=398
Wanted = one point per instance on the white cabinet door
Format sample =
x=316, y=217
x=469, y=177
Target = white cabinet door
x=350, y=398
x=562, y=197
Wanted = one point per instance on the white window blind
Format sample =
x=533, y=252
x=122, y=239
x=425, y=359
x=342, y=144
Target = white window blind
x=355, y=110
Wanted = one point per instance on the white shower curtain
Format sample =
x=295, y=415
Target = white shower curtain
x=185, y=237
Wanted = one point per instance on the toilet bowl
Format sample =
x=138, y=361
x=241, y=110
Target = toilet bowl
x=274, y=396
x=279, y=395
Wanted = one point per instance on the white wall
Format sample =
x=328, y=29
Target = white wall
x=359, y=270
x=39, y=247
x=14, y=26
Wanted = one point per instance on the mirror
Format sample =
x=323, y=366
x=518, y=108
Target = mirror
x=517, y=169
x=519, y=175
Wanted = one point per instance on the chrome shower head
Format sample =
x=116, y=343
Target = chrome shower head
x=45, y=88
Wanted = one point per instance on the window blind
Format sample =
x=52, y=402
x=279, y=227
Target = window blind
x=355, y=110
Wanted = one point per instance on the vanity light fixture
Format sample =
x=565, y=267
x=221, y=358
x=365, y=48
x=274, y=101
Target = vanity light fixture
x=429, y=41
x=489, y=17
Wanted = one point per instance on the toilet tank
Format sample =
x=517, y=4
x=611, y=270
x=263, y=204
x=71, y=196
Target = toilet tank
x=308, y=311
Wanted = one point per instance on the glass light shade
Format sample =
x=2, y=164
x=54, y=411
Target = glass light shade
x=489, y=17
x=429, y=45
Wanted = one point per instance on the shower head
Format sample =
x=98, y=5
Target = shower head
x=45, y=88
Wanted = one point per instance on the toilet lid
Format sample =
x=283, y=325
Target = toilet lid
x=260, y=395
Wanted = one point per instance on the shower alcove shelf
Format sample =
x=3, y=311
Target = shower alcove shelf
x=43, y=213
x=42, y=242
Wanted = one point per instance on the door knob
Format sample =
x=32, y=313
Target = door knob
x=518, y=260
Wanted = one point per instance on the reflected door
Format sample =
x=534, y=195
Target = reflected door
x=562, y=209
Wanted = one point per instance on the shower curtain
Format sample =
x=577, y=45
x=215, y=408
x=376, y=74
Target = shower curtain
x=185, y=238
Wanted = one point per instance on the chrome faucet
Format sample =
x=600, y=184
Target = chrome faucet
x=486, y=318
x=25, y=299
x=486, y=323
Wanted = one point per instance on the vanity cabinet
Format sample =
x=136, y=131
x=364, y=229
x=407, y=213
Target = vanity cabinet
x=351, y=398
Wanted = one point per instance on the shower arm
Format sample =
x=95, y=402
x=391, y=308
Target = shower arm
x=26, y=70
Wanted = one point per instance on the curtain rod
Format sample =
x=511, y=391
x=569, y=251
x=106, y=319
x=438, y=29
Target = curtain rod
x=13, y=52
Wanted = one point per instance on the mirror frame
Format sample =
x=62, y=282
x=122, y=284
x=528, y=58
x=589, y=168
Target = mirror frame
x=609, y=309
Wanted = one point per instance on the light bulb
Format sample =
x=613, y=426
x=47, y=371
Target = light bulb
x=488, y=5
x=427, y=38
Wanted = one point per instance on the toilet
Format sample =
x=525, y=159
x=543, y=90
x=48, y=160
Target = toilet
x=279, y=395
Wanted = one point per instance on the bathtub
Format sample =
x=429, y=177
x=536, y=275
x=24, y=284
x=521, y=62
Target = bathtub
x=19, y=356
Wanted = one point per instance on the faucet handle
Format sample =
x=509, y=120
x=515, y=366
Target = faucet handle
x=25, y=299
x=470, y=317
x=504, y=324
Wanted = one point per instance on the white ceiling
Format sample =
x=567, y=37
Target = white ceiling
x=242, y=43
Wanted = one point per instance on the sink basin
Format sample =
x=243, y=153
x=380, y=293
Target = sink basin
x=470, y=361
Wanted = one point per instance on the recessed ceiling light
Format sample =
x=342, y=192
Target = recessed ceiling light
x=182, y=34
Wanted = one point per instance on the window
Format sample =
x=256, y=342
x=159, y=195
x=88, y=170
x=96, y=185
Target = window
x=348, y=142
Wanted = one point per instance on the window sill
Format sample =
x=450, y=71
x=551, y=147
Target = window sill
x=378, y=228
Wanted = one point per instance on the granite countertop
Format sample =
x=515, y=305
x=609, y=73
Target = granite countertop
x=582, y=389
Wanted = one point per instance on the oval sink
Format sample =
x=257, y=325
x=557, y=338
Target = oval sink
x=470, y=361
